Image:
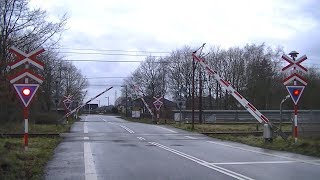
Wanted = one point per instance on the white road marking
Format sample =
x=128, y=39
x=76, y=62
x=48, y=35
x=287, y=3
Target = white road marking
x=141, y=138
x=268, y=154
x=167, y=129
x=127, y=129
x=190, y=137
x=89, y=168
x=124, y=127
x=253, y=162
x=204, y=163
x=85, y=128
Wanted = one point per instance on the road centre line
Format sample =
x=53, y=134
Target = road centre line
x=253, y=162
x=167, y=129
x=141, y=138
x=127, y=129
x=190, y=137
x=203, y=163
x=124, y=127
x=268, y=154
x=85, y=128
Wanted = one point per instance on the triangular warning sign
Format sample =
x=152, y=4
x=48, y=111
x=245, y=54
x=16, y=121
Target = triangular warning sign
x=67, y=104
x=295, y=93
x=157, y=104
x=26, y=92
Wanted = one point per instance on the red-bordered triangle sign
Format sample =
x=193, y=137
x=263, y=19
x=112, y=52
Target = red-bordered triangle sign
x=157, y=103
x=26, y=92
x=67, y=102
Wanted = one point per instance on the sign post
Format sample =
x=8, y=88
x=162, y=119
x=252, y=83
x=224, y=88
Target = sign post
x=295, y=91
x=67, y=103
x=157, y=104
x=24, y=89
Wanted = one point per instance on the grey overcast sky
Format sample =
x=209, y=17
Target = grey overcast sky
x=165, y=25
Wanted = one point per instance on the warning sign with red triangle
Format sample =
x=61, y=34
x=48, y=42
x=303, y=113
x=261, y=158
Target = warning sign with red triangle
x=67, y=102
x=295, y=93
x=26, y=92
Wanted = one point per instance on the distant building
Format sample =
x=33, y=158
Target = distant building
x=92, y=108
x=165, y=111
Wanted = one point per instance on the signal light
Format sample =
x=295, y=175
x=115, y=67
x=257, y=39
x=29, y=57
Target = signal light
x=26, y=91
x=296, y=92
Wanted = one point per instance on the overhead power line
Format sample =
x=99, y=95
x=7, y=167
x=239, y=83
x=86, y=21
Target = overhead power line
x=110, y=61
x=115, y=61
x=110, y=54
x=106, y=77
x=113, y=50
x=103, y=85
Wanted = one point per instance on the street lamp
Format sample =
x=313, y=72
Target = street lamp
x=283, y=100
x=98, y=101
x=126, y=99
x=108, y=100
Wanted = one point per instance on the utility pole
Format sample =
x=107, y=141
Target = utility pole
x=200, y=96
x=193, y=72
x=126, y=101
x=108, y=100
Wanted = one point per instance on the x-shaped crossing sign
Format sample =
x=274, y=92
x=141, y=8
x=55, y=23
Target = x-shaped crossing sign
x=294, y=63
x=22, y=57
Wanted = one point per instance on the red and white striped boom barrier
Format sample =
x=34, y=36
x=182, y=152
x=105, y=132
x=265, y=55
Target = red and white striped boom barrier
x=135, y=88
x=244, y=102
x=79, y=107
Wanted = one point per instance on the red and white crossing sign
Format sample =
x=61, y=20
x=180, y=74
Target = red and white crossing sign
x=294, y=77
x=67, y=102
x=294, y=63
x=157, y=103
x=295, y=91
x=22, y=57
x=23, y=74
x=26, y=92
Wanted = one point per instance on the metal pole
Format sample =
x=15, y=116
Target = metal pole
x=89, y=108
x=193, y=104
x=126, y=101
x=295, y=123
x=293, y=56
x=180, y=117
x=25, y=116
x=280, y=123
x=200, y=96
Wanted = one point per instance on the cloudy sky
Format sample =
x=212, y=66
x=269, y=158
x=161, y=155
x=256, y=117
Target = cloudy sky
x=165, y=25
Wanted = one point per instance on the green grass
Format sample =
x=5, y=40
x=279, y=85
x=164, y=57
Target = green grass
x=16, y=163
x=305, y=146
x=226, y=127
x=35, y=128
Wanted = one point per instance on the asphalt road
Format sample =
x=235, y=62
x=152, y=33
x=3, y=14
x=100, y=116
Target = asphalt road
x=106, y=147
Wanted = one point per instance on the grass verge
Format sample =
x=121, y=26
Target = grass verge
x=17, y=163
x=305, y=146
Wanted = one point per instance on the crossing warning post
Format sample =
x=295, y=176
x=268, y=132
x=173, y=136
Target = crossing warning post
x=295, y=90
x=21, y=84
x=157, y=104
